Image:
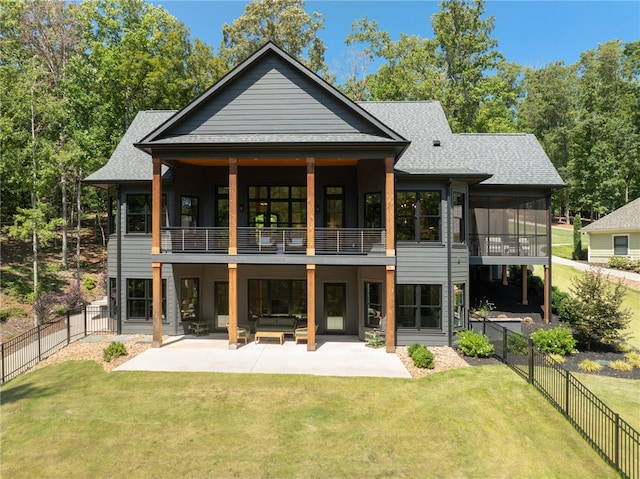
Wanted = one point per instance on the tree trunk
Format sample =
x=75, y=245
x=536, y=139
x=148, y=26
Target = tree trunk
x=65, y=233
x=34, y=204
x=79, y=227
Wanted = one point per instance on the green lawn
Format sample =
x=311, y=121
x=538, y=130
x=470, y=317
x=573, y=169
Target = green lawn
x=562, y=276
x=562, y=242
x=74, y=420
x=621, y=395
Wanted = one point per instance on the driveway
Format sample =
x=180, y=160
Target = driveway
x=334, y=356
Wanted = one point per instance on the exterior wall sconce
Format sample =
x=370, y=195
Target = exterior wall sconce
x=241, y=207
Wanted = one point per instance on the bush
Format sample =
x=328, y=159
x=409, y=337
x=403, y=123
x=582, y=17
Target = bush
x=633, y=358
x=474, y=344
x=517, y=344
x=620, y=365
x=577, y=238
x=590, y=366
x=89, y=283
x=44, y=305
x=13, y=312
x=422, y=357
x=554, y=341
x=113, y=351
x=624, y=263
x=73, y=300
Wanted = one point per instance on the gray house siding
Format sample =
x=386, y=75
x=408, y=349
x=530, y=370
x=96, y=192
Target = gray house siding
x=272, y=97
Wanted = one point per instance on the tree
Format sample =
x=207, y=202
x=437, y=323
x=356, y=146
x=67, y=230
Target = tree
x=595, y=309
x=285, y=22
x=577, y=238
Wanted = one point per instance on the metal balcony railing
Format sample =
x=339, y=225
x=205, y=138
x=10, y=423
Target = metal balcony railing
x=253, y=240
x=508, y=245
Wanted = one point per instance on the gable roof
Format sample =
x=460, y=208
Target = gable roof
x=270, y=99
x=128, y=163
x=626, y=217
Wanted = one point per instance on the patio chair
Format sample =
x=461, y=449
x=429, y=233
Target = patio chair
x=302, y=334
x=243, y=332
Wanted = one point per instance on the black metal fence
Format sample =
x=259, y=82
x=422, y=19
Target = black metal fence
x=614, y=439
x=21, y=353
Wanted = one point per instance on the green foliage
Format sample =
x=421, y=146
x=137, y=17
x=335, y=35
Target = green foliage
x=554, y=341
x=624, y=263
x=422, y=357
x=483, y=308
x=89, y=283
x=577, y=238
x=113, y=351
x=595, y=308
x=13, y=312
x=517, y=344
x=474, y=344
x=559, y=303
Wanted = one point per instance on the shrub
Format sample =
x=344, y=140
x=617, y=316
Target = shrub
x=44, y=305
x=624, y=263
x=554, y=341
x=89, y=283
x=412, y=348
x=577, y=238
x=517, y=344
x=113, y=351
x=12, y=312
x=483, y=308
x=633, y=359
x=558, y=300
x=590, y=366
x=73, y=300
x=556, y=358
x=474, y=344
x=422, y=357
x=596, y=309
x=620, y=365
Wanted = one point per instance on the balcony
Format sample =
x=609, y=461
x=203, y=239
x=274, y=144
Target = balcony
x=508, y=245
x=252, y=240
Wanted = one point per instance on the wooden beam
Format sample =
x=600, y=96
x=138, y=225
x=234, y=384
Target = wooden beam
x=233, y=306
x=389, y=202
x=156, y=301
x=390, y=329
x=525, y=286
x=311, y=307
x=233, y=206
x=156, y=205
x=311, y=208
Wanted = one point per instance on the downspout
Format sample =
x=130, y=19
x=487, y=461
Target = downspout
x=549, y=259
x=449, y=262
x=119, y=262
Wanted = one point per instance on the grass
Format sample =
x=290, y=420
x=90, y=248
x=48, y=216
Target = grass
x=562, y=276
x=621, y=395
x=74, y=420
x=562, y=242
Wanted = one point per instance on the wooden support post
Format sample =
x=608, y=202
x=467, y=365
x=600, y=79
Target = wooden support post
x=389, y=202
x=311, y=209
x=233, y=305
x=311, y=307
x=525, y=286
x=390, y=329
x=504, y=275
x=233, y=206
x=547, y=296
x=156, y=301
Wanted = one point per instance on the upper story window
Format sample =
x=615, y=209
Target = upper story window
x=139, y=213
x=278, y=206
x=459, y=234
x=373, y=210
x=418, y=216
x=334, y=206
x=188, y=211
x=112, y=214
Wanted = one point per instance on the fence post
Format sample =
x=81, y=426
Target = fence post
x=85, y=321
x=567, y=387
x=39, y=345
x=2, y=351
x=68, y=328
x=530, y=361
x=617, y=439
x=504, y=345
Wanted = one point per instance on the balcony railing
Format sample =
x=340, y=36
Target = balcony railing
x=508, y=245
x=252, y=240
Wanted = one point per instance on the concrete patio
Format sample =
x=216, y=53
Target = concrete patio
x=334, y=356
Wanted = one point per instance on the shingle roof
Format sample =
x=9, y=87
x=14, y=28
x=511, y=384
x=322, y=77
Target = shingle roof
x=511, y=159
x=128, y=163
x=626, y=217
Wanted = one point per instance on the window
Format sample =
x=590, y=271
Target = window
x=458, y=218
x=188, y=211
x=139, y=213
x=335, y=295
x=139, y=299
x=113, y=297
x=277, y=297
x=458, y=305
x=334, y=207
x=189, y=299
x=221, y=305
x=419, y=306
x=621, y=245
x=222, y=206
x=418, y=216
x=113, y=214
x=373, y=305
x=278, y=206
x=373, y=210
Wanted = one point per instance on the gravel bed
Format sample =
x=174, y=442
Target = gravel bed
x=445, y=358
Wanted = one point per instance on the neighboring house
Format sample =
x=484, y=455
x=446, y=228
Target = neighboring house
x=617, y=234
x=272, y=194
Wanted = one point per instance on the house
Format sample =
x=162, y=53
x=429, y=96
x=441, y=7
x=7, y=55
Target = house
x=273, y=195
x=616, y=234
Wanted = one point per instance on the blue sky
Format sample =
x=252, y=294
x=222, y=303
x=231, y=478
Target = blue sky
x=530, y=33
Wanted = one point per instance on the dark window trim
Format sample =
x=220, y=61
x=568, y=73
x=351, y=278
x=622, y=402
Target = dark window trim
x=148, y=300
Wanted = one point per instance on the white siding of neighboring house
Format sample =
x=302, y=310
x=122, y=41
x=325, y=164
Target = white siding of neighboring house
x=601, y=245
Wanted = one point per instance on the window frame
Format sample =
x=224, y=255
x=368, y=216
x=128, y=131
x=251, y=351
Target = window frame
x=418, y=307
x=190, y=212
x=417, y=218
x=147, y=298
x=146, y=215
x=257, y=202
x=615, y=247
x=458, y=219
